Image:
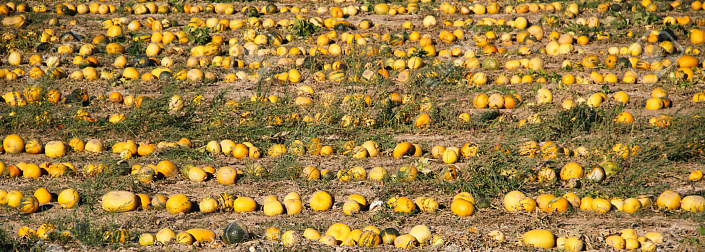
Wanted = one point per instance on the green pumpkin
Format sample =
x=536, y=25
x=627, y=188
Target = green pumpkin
x=234, y=233
x=118, y=236
x=341, y=27
x=251, y=12
x=271, y=9
x=610, y=168
x=482, y=203
x=623, y=63
x=29, y=204
x=490, y=63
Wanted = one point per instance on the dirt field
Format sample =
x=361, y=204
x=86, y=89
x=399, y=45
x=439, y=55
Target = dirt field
x=660, y=156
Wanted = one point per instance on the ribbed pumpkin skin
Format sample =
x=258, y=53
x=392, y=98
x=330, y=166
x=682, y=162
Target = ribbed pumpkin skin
x=29, y=204
x=234, y=233
x=226, y=201
x=120, y=235
x=369, y=239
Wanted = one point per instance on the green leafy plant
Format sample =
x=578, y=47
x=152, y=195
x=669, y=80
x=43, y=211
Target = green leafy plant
x=303, y=28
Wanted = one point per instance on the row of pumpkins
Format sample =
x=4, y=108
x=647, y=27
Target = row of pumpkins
x=340, y=234
x=627, y=239
x=463, y=204
x=15, y=144
x=516, y=201
x=450, y=155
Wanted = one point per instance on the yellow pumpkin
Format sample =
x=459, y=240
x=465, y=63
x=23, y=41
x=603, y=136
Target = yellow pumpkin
x=244, y=204
x=405, y=241
x=402, y=149
x=462, y=207
x=178, y=203
x=321, y=201
x=13, y=144
x=165, y=236
x=167, y=168
x=539, y=238
x=43, y=195
x=512, y=199
x=427, y=205
x=421, y=232
x=571, y=170
x=339, y=231
x=669, y=200
x=200, y=234
x=55, y=149
x=273, y=208
x=119, y=201
x=208, y=205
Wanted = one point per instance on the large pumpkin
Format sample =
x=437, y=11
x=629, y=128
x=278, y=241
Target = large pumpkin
x=119, y=201
x=539, y=238
x=13, y=144
x=234, y=233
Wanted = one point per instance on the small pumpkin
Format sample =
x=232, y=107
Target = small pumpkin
x=235, y=233
x=29, y=204
x=369, y=239
x=147, y=239
x=421, y=232
x=405, y=241
x=351, y=207
x=208, y=205
x=244, y=204
x=68, y=198
x=427, y=205
x=311, y=234
x=290, y=238
x=321, y=201
x=388, y=235
x=178, y=203
x=226, y=201
x=165, y=235
x=462, y=207
x=185, y=238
